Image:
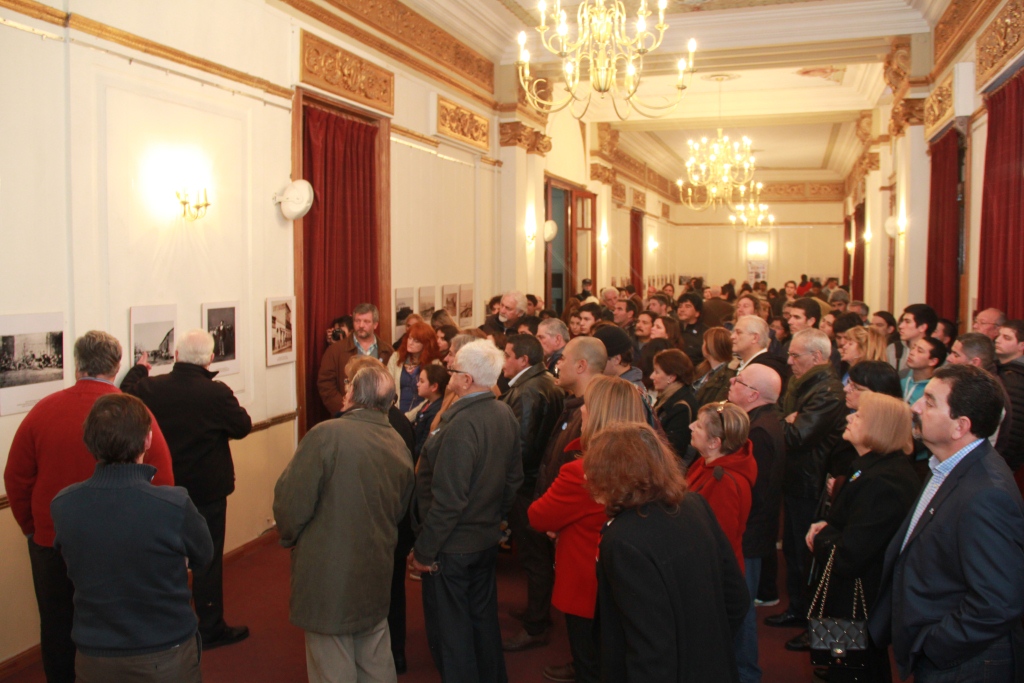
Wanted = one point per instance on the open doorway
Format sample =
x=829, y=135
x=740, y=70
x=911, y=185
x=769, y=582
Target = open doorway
x=572, y=255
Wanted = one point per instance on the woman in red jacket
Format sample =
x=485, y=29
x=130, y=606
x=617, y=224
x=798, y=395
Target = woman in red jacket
x=568, y=510
x=726, y=470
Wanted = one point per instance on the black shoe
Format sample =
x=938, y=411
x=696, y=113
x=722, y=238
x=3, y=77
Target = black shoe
x=785, y=620
x=821, y=674
x=229, y=636
x=802, y=643
x=400, y=664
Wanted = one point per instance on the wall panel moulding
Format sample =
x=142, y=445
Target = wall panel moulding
x=639, y=200
x=344, y=74
x=938, y=107
x=619, y=193
x=958, y=23
x=461, y=124
x=1000, y=43
x=602, y=174
x=516, y=134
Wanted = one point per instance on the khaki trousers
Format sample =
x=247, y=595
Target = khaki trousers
x=180, y=664
x=363, y=657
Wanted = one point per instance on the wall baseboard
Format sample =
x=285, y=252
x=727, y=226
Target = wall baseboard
x=31, y=656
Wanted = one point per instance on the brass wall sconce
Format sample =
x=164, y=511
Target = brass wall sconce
x=193, y=211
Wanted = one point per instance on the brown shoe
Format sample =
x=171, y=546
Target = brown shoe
x=561, y=674
x=524, y=641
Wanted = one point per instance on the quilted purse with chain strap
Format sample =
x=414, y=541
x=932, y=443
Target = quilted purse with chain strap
x=836, y=641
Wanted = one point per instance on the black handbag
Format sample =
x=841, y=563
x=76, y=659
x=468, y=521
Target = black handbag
x=838, y=642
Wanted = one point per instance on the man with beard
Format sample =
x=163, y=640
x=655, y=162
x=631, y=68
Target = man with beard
x=364, y=342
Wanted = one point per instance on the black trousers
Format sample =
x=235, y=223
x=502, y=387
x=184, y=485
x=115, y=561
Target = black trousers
x=586, y=657
x=460, y=610
x=396, y=612
x=536, y=555
x=797, y=519
x=54, y=595
x=208, y=584
x=768, y=588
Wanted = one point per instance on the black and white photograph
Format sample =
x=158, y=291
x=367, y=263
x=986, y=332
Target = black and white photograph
x=152, y=333
x=404, y=306
x=221, y=320
x=428, y=304
x=31, y=359
x=465, y=305
x=450, y=294
x=280, y=334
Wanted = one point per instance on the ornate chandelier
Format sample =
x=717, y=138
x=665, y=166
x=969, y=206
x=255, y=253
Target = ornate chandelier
x=753, y=215
x=613, y=60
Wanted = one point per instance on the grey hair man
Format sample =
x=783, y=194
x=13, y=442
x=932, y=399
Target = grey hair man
x=466, y=481
x=199, y=415
x=609, y=295
x=815, y=409
x=510, y=310
x=48, y=455
x=839, y=300
x=553, y=335
x=861, y=309
x=750, y=340
x=988, y=322
x=351, y=478
x=974, y=348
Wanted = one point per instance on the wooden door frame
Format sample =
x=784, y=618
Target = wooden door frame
x=575, y=190
x=382, y=161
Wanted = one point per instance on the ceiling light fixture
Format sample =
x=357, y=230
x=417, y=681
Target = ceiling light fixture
x=753, y=215
x=612, y=59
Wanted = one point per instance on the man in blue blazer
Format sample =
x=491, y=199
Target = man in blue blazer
x=952, y=593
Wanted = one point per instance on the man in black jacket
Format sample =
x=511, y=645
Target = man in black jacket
x=537, y=403
x=815, y=410
x=756, y=390
x=198, y=417
x=1010, y=352
x=691, y=327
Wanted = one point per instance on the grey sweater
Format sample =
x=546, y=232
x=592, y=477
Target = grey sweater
x=467, y=477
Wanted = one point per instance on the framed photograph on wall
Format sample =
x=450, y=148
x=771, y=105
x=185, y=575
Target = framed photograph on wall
x=404, y=306
x=222, y=321
x=450, y=300
x=428, y=304
x=465, y=305
x=280, y=330
x=31, y=359
x=152, y=333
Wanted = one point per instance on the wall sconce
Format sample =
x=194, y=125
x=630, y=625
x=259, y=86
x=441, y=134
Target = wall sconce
x=603, y=237
x=652, y=244
x=901, y=223
x=531, y=232
x=867, y=236
x=193, y=211
x=850, y=246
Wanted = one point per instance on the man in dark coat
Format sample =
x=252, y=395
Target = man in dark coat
x=199, y=416
x=952, y=593
x=1010, y=352
x=537, y=403
x=691, y=327
x=756, y=390
x=363, y=342
x=815, y=410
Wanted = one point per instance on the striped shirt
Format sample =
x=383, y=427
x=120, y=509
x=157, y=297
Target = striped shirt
x=940, y=470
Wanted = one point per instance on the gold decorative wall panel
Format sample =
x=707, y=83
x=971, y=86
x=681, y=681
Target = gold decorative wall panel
x=666, y=210
x=413, y=30
x=1000, y=42
x=906, y=112
x=619, y=193
x=938, y=107
x=517, y=134
x=958, y=23
x=602, y=174
x=342, y=73
x=463, y=125
x=639, y=200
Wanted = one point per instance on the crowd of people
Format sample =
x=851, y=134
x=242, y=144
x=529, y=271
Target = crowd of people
x=641, y=456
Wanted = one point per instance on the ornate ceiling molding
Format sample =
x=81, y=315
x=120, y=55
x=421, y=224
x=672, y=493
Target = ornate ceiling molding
x=897, y=66
x=854, y=185
x=1000, y=42
x=602, y=174
x=414, y=31
x=630, y=167
x=342, y=73
x=639, y=199
x=907, y=112
x=516, y=134
x=958, y=23
x=938, y=107
x=463, y=125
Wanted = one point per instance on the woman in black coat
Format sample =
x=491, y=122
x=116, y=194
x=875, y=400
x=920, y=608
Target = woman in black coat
x=675, y=407
x=878, y=493
x=670, y=593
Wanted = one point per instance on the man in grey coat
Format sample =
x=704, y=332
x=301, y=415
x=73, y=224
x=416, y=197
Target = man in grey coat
x=468, y=474
x=338, y=504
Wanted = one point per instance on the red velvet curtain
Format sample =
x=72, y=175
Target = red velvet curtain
x=847, y=236
x=857, y=285
x=636, y=250
x=1000, y=276
x=339, y=232
x=942, y=284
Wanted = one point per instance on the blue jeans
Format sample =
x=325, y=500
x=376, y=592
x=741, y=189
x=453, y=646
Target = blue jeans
x=460, y=608
x=993, y=665
x=745, y=641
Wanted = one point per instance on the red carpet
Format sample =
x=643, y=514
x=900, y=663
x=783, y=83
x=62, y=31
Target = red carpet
x=256, y=594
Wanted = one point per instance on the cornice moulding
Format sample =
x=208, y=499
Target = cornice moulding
x=337, y=71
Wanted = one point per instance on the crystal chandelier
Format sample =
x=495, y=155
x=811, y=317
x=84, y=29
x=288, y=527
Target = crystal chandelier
x=612, y=59
x=753, y=215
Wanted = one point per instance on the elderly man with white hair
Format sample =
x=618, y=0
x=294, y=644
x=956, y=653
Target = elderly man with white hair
x=750, y=340
x=466, y=481
x=510, y=310
x=199, y=416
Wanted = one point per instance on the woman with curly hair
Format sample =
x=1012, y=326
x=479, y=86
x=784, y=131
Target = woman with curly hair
x=417, y=350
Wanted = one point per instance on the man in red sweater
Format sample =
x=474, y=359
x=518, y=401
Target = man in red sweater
x=47, y=455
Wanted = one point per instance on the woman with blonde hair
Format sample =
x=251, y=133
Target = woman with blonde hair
x=880, y=490
x=861, y=343
x=670, y=593
x=714, y=373
x=567, y=509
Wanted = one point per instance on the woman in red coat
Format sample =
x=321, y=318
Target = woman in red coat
x=568, y=511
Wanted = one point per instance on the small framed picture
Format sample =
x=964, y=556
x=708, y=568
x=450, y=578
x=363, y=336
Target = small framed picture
x=222, y=321
x=280, y=330
x=153, y=334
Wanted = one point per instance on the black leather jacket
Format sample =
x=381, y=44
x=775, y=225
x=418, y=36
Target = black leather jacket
x=537, y=403
x=817, y=434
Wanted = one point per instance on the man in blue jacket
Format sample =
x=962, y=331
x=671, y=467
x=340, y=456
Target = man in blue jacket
x=952, y=593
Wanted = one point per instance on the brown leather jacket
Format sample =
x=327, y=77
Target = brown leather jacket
x=331, y=378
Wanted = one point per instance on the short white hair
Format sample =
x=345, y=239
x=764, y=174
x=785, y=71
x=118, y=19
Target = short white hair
x=195, y=347
x=755, y=324
x=519, y=297
x=815, y=341
x=610, y=289
x=482, y=361
x=555, y=327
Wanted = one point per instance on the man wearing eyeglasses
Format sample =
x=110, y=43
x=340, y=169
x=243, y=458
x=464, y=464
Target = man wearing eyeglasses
x=988, y=322
x=815, y=409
